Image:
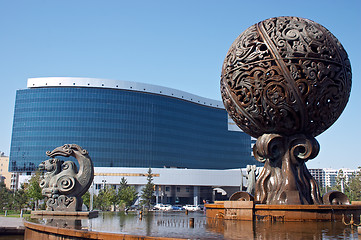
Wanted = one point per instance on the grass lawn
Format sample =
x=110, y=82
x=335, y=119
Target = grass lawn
x=15, y=215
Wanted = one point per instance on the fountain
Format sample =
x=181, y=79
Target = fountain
x=284, y=81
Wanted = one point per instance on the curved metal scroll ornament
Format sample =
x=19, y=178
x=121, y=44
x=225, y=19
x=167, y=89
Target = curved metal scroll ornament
x=241, y=196
x=284, y=81
x=335, y=198
x=285, y=178
x=63, y=183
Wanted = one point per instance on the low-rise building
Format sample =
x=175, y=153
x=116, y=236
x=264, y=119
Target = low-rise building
x=172, y=185
x=327, y=177
x=5, y=175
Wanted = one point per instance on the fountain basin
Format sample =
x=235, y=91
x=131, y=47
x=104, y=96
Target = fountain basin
x=39, y=231
x=248, y=210
x=176, y=225
x=90, y=214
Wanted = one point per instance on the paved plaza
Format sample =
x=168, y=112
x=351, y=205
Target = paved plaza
x=11, y=225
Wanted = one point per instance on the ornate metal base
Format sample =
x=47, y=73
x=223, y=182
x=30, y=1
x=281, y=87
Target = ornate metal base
x=285, y=178
x=64, y=203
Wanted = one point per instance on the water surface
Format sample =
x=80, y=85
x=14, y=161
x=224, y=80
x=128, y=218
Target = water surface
x=177, y=225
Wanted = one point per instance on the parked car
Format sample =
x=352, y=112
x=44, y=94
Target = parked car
x=192, y=208
x=157, y=206
x=166, y=207
x=163, y=207
x=177, y=208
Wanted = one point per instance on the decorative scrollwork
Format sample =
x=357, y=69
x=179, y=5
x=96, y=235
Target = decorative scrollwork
x=268, y=147
x=51, y=203
x=65, y=201
x=285, y=178
x=66, y=184
x=241, y=196
x=285, y=75
x=63, y=184
x=335, y=198
x=284, y=81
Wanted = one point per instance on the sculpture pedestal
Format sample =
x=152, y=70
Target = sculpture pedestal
x=88, y=214
x=247, y=210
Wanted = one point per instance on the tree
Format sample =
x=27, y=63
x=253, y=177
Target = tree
x=110, y=197
x=148, y=190
x=126, y=194
x=98, y=200
x=33, y=190
x=106, y=198
x=20, y=198
x=86, y=199
x=352, y=188
x=5, y=196
x=123, y=183
x=322, y=189
x=340, y=182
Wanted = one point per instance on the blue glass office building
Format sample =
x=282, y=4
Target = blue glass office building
x=124, y=124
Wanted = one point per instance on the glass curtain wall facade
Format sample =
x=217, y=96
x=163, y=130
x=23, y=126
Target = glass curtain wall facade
x=124, y=128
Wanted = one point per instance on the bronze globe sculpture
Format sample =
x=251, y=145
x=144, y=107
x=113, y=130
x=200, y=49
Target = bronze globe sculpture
x=284, y=81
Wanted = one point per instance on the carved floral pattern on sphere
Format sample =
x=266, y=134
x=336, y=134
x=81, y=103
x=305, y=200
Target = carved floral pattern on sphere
x=285, y=75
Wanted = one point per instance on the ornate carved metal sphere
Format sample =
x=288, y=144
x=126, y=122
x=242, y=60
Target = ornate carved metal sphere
x=285, y=75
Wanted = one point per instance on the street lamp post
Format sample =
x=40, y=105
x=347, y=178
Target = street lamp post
x=91, y=197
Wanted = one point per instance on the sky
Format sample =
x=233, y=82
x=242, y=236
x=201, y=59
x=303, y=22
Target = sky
x=175, y=44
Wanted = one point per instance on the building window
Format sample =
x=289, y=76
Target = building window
x=167, y=189
x=98, y=186
x=178, y=189
x=187, y=189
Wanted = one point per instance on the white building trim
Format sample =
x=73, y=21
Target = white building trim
x=122, y=85
x=169, y=176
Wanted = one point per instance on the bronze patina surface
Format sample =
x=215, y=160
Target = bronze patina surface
x=63, y=184
x=284, y=81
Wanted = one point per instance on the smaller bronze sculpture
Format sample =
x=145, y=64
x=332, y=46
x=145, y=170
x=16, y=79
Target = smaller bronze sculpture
x=63, y=184
x=251, y=178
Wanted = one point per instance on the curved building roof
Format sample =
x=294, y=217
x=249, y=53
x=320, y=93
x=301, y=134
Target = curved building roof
x=122, y=85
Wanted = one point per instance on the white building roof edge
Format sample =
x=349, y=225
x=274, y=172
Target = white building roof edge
x=42, y=82
x=170, y=176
